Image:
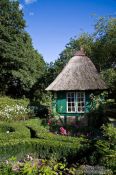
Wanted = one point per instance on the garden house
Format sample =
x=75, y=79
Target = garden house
x=73, y=87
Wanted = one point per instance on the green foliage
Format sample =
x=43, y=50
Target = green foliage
x=104, y=46
x=97, y=101
x=44, y=145
x=18, y=142
x=109, y=133
x=14, y=130
x=106, y=147
x=97, y=116
x=99, y=46
x=43, y=133
x=109, y=77
x=5, y=100
x=43, y=148
x=13, y=109
x=20, y=65
x=34, y=166
x=85, y=40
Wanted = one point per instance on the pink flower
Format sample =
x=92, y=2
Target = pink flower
x=63, y=131
x=49, y=122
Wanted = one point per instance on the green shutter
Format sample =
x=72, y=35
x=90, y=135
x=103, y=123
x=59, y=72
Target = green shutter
x=61, y=102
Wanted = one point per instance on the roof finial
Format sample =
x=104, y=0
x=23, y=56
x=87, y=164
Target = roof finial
x=80, y=52
x=82, y=49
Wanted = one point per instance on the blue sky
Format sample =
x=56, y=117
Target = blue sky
x=51, y=23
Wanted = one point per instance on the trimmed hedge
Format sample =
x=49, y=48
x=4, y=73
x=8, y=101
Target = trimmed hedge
x=14, y=130
x=18, y=142
x=42, y=148
x=42, y=133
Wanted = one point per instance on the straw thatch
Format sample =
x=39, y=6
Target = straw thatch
x=79, y=74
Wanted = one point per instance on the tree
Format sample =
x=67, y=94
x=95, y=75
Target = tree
x=38, y=89
x=109, y=77
x=99, y=46
x=20, y=63
x=104, y=54
x=85, y=41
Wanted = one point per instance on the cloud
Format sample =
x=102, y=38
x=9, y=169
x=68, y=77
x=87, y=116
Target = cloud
x=21, y=6
x=30, y=1
x=31, y=14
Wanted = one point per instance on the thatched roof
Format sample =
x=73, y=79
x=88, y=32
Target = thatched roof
x=79, y=74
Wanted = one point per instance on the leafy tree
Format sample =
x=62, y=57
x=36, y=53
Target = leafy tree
x=20, y=64
x=109, y=77
x=99, y=46
x=85, y=41
x=38, y=89
x=104, y=54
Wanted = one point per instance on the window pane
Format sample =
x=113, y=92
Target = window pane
x=71, y=102
x=73, y=109
x=69, y=95
x=80, y=102
x=72, y=94
x=72, y=99
x=83, y=104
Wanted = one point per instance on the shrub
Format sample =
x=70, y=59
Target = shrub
x=42, y=133
x=43, y=149
x=11, y=109
x=34, y=166
x=10, y=101
x=14, y=130
x=104, y=149
x=47, y=144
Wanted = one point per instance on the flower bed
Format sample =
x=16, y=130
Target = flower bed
x=11, y=109
x=34, y=166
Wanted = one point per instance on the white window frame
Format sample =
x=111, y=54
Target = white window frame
x=76, y=102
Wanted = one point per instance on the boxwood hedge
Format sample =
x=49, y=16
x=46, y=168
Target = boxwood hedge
x=18, y=142
x=42, y=148
x=14, y=130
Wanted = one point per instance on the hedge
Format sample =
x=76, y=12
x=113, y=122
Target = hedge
x=42, y=132
x=18, y=142
x=14, y=130
x=42, y=148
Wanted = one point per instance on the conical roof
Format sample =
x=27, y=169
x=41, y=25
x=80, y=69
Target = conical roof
x=79, y=74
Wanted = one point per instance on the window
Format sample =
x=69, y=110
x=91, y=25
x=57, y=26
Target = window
x=80, y=101
x=76, y=102
x=71, y=102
